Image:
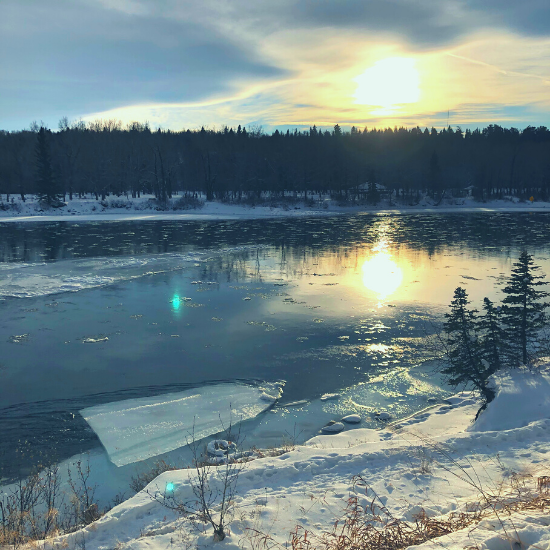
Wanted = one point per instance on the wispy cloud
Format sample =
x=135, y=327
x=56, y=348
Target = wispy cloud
x=181, y=63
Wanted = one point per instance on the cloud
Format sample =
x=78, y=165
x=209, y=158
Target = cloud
x=72, y=57
x=421, y=23
x=489, y=78
x=528, y=17
x=289, y=62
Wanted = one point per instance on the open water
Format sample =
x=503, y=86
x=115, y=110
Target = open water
x=97, y=312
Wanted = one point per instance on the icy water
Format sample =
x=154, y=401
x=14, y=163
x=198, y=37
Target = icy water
x=99, y=312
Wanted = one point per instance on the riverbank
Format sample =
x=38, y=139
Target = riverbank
x=435, y=464
x=146, y=208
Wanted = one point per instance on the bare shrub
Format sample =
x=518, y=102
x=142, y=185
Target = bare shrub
x=30, y=510
x=290, y=439
x=543, y=484
x=82, y=508
x=118, y=203
x=187, y=202
x=10, y=206
x=142, y=479
x=214, y=487
x=424, y=460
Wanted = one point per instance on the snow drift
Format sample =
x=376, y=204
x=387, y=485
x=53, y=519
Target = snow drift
x=522, y=397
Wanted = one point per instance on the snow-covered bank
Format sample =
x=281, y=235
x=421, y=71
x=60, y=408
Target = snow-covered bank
x=146, y=209
x=436, y=461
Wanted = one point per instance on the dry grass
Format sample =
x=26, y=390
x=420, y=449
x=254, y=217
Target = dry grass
x=373, y=527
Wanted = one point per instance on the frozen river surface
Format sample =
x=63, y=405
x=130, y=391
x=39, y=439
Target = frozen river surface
x=100, y=312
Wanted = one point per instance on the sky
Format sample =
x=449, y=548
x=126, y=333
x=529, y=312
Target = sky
x=181, y=64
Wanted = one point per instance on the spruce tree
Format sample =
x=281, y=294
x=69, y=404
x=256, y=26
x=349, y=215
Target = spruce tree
x=373, y=195
x=492, y=336
x=523, y=311
x=46, y=184
x=464, y=353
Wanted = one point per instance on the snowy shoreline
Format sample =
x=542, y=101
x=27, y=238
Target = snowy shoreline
x=437, y=461
x=143, y=209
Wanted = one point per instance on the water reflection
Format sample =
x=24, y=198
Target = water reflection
x=283, y=299
x=488, y=233
x=382, y=275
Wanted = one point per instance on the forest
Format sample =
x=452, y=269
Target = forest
x=105, y=158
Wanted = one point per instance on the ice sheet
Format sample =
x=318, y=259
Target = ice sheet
x=27, y=280
x=137, y=429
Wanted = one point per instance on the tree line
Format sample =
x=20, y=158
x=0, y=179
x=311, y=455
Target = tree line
x=104, y=158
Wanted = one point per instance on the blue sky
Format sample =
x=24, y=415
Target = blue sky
x=182, y=64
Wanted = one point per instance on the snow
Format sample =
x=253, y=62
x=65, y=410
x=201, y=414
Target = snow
x=435, y=460
x=333, y=427
x=521, y=530
x=352, y=419
x=136, y=429
x=145, y=209
x=511, y=410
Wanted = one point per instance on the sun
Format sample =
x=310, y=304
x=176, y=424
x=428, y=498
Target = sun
x=388, y=84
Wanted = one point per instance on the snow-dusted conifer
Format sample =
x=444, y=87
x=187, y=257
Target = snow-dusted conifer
x=491, y=335
x=523, y=309
x=463, y=349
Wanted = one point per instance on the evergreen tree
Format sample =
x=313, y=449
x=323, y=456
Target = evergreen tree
x=434, y=175
x=492, y=336
x=523, y=312
x=46, y=184
x=464, y=353
x=373, y=195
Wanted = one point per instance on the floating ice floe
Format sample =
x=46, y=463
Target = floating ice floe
x=18, y=338
x=137, y=429
x=329, y=396
x=352, y=419
x=95, y=340
x=333, y=427
x=296, y=403
x=268, y=398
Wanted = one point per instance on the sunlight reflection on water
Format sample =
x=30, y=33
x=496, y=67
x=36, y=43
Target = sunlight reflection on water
x=382, y=275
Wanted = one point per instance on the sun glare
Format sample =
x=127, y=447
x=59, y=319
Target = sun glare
x=382, y=275
x=388, y=83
